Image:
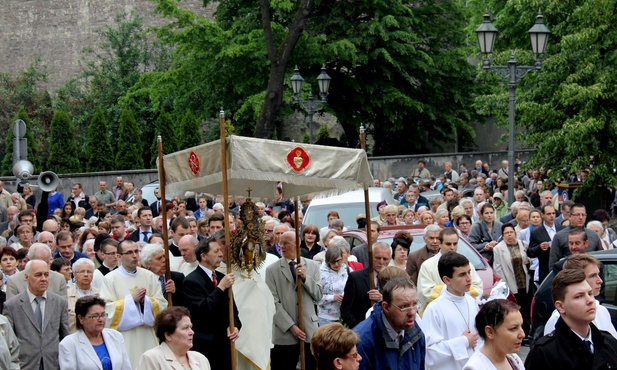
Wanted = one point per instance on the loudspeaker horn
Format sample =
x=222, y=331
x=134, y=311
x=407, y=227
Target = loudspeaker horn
x=48, y=181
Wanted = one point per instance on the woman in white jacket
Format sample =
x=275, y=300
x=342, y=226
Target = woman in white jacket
x=333, y=278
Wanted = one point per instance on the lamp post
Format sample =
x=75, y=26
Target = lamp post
x=311, y=105
x=513, y=72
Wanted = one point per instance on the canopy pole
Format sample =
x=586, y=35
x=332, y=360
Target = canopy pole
x=159, y=142
x=299, y=282
x=227, y=228
x=367, y=211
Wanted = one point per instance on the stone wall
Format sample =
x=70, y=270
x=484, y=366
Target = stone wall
x=58, y=30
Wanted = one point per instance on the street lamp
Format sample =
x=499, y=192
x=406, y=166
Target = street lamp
x=487, y=33
x=323, y=81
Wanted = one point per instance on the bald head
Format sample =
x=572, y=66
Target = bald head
x=50, y=226
x=187, y=245
x=45, y=237
x=40, y=251
x=287, y=241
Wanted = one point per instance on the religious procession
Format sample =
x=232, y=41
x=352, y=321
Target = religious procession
x=437, y=273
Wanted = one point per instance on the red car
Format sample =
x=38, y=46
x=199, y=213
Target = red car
x=357, y=237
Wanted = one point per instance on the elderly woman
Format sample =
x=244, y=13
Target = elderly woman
x=24, y=235
x=485, y=233
x=310, y=240
x=511, y=265
x=442, y=217
x=427, y=218
x=334, y=275
x=92, y=346
x=63, y=266
x=391, y=213
x=401, y=244
x=324, y=239
x=463, y=226
x=175, y=334
x=499, y=324
x=334, y=348
x=381, y=217
x=522, y=221
x=88, y=233
x=88, y=248
x=83, y=269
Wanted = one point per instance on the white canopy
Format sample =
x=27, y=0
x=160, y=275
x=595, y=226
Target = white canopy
x=257, y=164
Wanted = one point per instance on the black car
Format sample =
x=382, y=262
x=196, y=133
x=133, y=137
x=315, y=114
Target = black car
x=542, y=305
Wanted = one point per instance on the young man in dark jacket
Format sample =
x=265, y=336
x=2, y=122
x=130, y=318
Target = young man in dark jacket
x=576, y=342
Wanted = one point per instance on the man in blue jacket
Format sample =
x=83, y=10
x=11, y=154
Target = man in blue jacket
x=390, y=337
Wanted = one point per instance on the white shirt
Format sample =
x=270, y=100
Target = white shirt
x=602, y=321
x=33, y=304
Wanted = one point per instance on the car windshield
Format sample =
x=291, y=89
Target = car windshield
x=347, y=212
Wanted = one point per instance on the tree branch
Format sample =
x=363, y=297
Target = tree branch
x=266, y=19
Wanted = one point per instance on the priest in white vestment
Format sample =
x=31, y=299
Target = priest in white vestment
x=134, y=299
x=429, y=281
x=449, y=321
x=256, y=311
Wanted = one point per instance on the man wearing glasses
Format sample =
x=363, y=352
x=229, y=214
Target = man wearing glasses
x=560, y=247
x=391, y=338
x=134, y=299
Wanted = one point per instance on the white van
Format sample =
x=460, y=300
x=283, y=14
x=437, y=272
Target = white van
x=348, y=206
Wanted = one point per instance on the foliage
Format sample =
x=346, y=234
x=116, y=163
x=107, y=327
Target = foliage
x=569, y=109
x=165, y=128
x=322, y=133
x=62, y=149
x=129, y=154
x=98, y=152
x=109, y=70
x=23, y=95
x=190, y=133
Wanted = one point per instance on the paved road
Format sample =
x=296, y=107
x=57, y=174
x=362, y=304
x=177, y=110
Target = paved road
x=523, y=352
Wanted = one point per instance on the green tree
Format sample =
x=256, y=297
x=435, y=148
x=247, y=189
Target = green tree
x=165, y=128
x=97, y=149
x=62, y=149
x=190, y=134
x=129, y=155
x=568, y=110
x=322, y=133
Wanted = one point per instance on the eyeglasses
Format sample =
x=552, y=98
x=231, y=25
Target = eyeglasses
x=130, y=252
x=578, y=215
x=464, y=223
x=110, y=253
x=415, y=307
x=98, y=317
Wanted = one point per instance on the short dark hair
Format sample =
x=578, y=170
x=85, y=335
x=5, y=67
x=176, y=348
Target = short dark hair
x=578, y=231
x=179, y=221
x=167, y=321
x=216, y=217
x=83, y=304
x=464, y=216
x=396, y=284
x=106, y=242
x=117, y=219
x=64, y=235
x=493, y=314
x=8, y=251
x=58, y=263
x=449, y=261
x=446, y=231
x=123, y=244
x=544, y=207
x=402, y=238
x=142, y=210
x=507, y=225
x=600, y=215
x=26, y=212
x=580, y=261
x=204, y=247
x=564, y=279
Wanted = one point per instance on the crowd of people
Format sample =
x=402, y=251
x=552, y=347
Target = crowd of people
x=85, y=282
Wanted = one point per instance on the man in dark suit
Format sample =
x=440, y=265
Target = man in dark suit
x=155, y=207
x=415, y=200
x=153, y=258
x=206, y=297
x=560, y=247
x=145, y=230
x=361, y=251
x=541, y=239
x=39, y=319
x=275, y=248
x=431, y=248
x=358, y=296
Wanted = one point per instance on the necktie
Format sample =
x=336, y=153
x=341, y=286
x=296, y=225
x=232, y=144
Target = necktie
x=38, y=314
x=145, y=239
x=214, y=279
x=292, y=267
x=588, y=346
x=162, y=281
